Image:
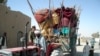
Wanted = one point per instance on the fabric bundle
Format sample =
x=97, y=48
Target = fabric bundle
x=41, y=15
x=63, y=18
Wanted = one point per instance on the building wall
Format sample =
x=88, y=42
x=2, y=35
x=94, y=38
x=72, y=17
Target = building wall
x=12, y=22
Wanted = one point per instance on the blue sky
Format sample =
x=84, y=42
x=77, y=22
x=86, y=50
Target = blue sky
x=89, y=18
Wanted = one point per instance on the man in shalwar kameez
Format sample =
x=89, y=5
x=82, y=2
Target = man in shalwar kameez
x=40, y=42
x=86, y=49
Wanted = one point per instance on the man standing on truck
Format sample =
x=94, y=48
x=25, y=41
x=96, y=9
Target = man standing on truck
x=40, y=42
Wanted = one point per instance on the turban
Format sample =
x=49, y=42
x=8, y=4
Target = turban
x=37, y=32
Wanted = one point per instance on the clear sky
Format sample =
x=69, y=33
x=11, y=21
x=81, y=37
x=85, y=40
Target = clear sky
x=89, y=18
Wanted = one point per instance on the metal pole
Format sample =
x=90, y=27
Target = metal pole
x=26, y=37
x=30, y=6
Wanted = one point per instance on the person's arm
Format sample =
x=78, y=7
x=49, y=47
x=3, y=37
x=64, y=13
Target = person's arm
x=29, y=38
x=43, y=43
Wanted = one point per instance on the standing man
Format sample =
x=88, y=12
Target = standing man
x=40, y=42
x=86, y=49
x=91, y=52
x=32, y=34
x=4, y=37
x=22, y=40
x=0, y=42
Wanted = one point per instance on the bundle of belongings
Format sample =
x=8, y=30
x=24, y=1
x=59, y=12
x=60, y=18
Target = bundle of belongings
x=60, y=21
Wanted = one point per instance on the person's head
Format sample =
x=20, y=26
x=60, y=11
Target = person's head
x=87, y=43
x=37, y=33
x=33, y=28
x=92, y=46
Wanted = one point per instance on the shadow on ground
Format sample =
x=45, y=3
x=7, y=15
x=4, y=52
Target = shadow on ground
x=81, y=54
